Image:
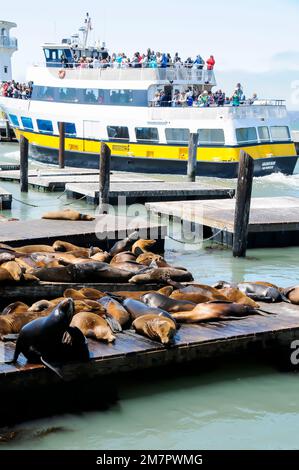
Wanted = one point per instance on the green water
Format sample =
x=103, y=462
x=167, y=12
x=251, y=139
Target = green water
x=235, y=405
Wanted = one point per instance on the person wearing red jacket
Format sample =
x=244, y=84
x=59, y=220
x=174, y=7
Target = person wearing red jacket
x=210, y=62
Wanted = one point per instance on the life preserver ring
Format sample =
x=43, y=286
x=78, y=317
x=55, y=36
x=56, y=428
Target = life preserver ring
x=61, y=73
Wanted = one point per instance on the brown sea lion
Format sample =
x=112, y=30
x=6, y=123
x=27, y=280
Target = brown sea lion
x=116, y=310
x=67, y=214
x=126, y=256
x=103, y=257
x=124, y=245
x=292, y=294
x=5, y=276
x=5, y=247
x=268, y=284
x=166, y=303
x=93, y=326
x=14, y=322
x=14, y=270
x=212, y=311
x=60, y=245
x=28, y=249
x=41, y=305
x=74, y=294
x=16, y=307
x=141, y=246
x=86, y=306
x=148, y=257
x=162, y=275
x=155, y=327
x=136, y=295
x=90, y=293
x=197, y=294
x=131, y=266
x=138, y=309
x=235, y=295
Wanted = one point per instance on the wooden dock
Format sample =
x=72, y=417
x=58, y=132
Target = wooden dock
x=141, y=192
x=274, y=221
x=103, y=231
x=5, y=199
x=132, y=352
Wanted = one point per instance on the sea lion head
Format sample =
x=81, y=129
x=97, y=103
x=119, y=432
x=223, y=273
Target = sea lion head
x=161, y=329
x=64, y=311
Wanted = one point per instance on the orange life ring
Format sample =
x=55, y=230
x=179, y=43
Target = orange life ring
x=61, y=73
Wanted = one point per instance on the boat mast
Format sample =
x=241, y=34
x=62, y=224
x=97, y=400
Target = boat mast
x=85, y=29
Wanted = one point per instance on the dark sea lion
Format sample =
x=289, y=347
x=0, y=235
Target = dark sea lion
x=5, y=257
x=197, y=294
x=161, y=275
x=63, y=246
x=212, y=311
x=16, y=307
x=166, y=303
x=138, y=309
x=131, y=266
x=50, y=339
x=97, y=272
x=141, y=246
x=292, y=294
x=67, y=214
x=61, y=274
x=116, y=310
x=124, y=245
x=157, y=328
x=28, y=249
x=123, y=257
x=268, y=284
x=261, y=292
x=235, y=295
x=93, y=326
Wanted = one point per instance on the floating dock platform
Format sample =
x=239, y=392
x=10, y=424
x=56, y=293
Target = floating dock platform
x=274, y=221
x=141, y=192
x=9, y=167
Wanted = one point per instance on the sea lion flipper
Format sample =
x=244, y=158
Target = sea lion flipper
x=51, y=367
x=113, y=323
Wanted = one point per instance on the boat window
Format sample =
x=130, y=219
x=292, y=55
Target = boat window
x=147, y=134
x=69, y=128
x=67, y=95
x=43, y=93
x=210, y=136
x=280, y=133
x=27, y=123
x=14, y=120
x=91, y=96
x=174, y=136
x=264, y=134
x=246, y=135
x=116, y=132
x=45, y=126
x=119, y=97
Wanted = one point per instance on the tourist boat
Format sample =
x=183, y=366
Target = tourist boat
x=115, y=106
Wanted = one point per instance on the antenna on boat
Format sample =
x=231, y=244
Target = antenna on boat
x=85, y=29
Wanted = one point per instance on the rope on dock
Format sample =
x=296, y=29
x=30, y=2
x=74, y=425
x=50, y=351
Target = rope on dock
x=25, y=203
x=201, y=241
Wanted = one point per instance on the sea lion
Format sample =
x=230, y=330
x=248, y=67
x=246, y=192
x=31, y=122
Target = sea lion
x=124, y=245
x=93, y=326
x=5, y=257
x=63, y=246
x=131, y=266
x=212, y=311
x=162, y=275
x=136, y=295
x=268, y=284
x=16, y=307
x=166, y=303
x=292, y=294
x=49, y=339
x=61, y=274
x=261, y=292
x=141, y=246
x=5, y=275
x=97, y=272
x=116, y=310
x=29, y=249
x=155, y=327
x=41, y=305
x=197, y=294
x=224, y=285
x=125, y=256
x=103, y=257
x=14, y=270
x=235, y=295
x=148, y=257
x=12, y=323
x=67, y=214
x=92, y=294
x=138, y=309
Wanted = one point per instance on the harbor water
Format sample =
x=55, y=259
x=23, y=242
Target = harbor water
x=231, y=405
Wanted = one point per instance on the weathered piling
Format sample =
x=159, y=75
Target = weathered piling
x=243, y=201
x=24, y=148
x=61, y=156
x=192, y=157
x=104, y=189
x=7, y=130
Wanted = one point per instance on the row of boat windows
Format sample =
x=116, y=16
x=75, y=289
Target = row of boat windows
x=91, y=96
x=173, y=135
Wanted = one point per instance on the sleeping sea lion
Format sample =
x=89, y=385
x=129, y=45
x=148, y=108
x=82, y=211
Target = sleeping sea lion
x=93, y=326
x=116, y=310
x=166, y=303
x=103, y=257
x=125, y=256
x=136, y=295
x=5, y=257
x=124, y=245
x=197, y=294
x=155, y=327
x=67, y=214
x=12, y=323
x=41, y=305
x=292, y=294
x=90, y=293
x=63, y=246
x=97, y=272
x=212, y=311
x=28, y=249
x=14, y=270
x=138, y=309
x=141, y=246
x=61, y=274
x=16, y=307
x=235, y=295
x=5, y=276
x=148, y=257
x=261, y=292
x=131, y=266
x=161, y=275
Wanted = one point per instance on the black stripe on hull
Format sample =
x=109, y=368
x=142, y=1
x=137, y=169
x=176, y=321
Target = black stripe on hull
x=262, y=167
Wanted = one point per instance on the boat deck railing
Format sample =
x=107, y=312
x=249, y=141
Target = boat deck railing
x=9, y=42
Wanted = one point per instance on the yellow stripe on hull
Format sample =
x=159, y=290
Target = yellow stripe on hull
x=172, y=152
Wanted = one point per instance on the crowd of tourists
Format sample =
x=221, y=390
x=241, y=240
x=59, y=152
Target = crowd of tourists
x=12, y=89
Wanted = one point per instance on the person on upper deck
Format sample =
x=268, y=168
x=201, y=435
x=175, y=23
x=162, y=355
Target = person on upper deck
x=211, y=63
x=199, y=62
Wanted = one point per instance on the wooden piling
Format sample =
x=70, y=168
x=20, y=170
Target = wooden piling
x=192, y=157
x=24, y=148
x=61, y=156
x=7, y=131
x=105, y=158
x=243, y=201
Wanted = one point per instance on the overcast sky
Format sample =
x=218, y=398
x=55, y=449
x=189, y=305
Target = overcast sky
x=256, y=42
